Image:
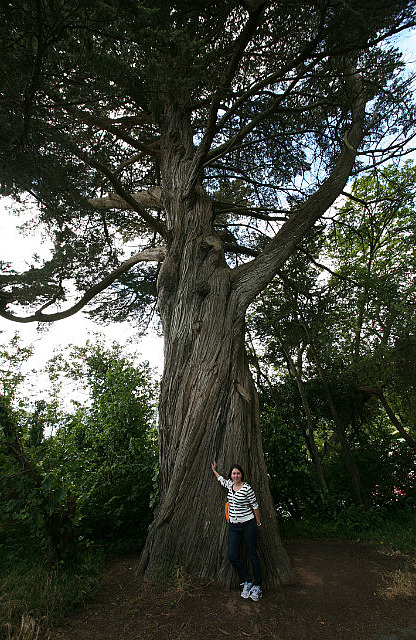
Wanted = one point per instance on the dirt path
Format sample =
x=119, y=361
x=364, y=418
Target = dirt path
x=338, y=596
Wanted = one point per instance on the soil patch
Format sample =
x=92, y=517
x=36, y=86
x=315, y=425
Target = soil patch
x=342, y=593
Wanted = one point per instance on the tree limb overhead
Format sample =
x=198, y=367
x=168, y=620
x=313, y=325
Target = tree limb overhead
x=153, y=254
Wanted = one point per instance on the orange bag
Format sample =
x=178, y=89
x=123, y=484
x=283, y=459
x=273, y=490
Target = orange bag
x=227, y=511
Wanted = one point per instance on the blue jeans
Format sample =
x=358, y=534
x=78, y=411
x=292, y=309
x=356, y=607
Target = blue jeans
x=246, y=531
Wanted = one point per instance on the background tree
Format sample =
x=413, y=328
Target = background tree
x=344, y=334
x=292, y=318
x=156, y=105
x=371, y=245
x=276, y=322
x=71, y=478
x=35, y=499
x=12, y=358
x=108, y=446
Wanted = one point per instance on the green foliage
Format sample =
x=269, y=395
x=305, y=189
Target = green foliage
x=108, y=449
x=385, y=463
x=12, y=357
x=36, y=498
x=386, y=466
x=337, y=339
x=370, y=242
x=72, y=478
x=72, y=482
x=354, y=520
x=393, y=529
x=293, y=483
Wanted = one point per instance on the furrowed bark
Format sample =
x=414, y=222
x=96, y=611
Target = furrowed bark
x=208, y=407
x=209, y=410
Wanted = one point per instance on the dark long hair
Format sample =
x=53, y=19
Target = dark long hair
x=241, y=470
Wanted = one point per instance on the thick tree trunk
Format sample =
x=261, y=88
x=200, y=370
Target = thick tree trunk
x=208, y=407
x=209, y=411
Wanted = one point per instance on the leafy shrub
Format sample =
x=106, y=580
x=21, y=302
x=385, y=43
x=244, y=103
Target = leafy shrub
x=354, y=520
x=91, y=479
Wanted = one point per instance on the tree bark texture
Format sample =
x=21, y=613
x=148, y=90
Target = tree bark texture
x=208, y=406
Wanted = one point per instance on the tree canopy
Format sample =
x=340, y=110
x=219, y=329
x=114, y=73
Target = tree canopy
x=275, y=96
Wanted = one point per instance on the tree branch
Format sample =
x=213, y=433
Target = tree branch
x=119, y=189
x=108, y=125
x=299, y=59
x=149, y=199
x=128, y=162
x=35, y=80
x=325, y=268
x=211, y=129
x=230, y=145
x=153, y=254
x=253, y=276
x=392, y=416
x=260, y=213
x=272, y=78
x=229, y=247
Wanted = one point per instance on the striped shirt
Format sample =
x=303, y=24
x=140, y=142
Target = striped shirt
x=241, y=502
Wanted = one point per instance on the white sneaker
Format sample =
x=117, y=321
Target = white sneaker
x=255, y=592
x=247, y=586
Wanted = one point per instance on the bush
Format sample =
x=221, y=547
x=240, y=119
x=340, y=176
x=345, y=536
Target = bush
x=92, y=478
x=394, y=529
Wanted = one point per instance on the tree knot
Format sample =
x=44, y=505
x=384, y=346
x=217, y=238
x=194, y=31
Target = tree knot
x=197, y=326
x=211, y=242
x=242, y=391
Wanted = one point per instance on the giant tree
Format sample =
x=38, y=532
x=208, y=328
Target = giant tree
x=192, y=130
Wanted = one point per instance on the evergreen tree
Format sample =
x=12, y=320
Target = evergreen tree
x=123, y=121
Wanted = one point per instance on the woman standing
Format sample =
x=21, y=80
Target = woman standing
x=244, y=521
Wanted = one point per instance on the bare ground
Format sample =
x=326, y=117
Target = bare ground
x=344, y=591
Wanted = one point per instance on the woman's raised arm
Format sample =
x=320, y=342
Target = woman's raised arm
x=214, y=469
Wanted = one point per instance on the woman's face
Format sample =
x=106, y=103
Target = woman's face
x=236, y=476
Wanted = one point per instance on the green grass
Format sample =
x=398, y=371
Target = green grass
x=34, y=595
x=395, y=530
